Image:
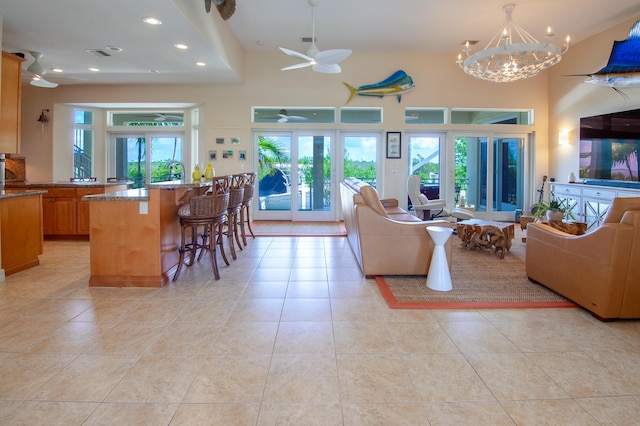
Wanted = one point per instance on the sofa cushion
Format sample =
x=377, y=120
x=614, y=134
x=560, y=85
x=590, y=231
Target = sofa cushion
x=404, y=217
x=371, y=199
x=619, y=206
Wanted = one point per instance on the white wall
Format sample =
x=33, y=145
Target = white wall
x=227, y=109
x=571, y=99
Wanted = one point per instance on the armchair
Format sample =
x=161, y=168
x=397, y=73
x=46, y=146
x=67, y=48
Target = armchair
x=599, y=271
x=427, y=209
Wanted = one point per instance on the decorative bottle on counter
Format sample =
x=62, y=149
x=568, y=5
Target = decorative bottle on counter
x=197, y=174
x=209, y=173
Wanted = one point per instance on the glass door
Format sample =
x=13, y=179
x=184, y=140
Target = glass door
x=295, y=176
x=360, y=157
x=508, y=175
x=424, y=160
x=314, y=185
x=489, y=173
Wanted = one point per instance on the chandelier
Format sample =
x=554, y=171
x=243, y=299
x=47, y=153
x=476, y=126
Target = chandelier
x=504, y=59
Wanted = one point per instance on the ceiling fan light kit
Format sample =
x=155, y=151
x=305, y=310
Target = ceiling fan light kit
x=321, y=61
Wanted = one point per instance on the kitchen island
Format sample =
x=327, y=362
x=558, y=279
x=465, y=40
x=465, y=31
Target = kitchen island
x=20, y=230
x=135, y=234
x=64, y=214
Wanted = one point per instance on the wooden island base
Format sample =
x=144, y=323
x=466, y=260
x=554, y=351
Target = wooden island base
x=134, y=237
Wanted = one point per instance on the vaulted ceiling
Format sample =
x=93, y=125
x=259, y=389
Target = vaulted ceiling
x=63, y=30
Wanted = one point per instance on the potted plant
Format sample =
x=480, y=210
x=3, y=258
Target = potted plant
x=554, y=209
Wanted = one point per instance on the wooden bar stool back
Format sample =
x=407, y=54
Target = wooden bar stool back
x=220, y=190
x=245, y=210
x=236, y=196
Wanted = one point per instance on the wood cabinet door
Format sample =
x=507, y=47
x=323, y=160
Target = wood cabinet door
x=10, y=103
x=59, y=216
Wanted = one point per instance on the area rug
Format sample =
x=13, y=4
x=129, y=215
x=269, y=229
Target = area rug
x=275, y=228
x=480, y=280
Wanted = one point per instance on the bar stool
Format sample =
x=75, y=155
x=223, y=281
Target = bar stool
x=220, y=188
x=245, y=209
x=201, y=219
x=236, y=196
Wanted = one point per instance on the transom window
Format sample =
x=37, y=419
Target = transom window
x=293, y=115
x=491, y=116
x=137, y=118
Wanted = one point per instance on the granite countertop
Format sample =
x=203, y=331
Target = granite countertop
x=13, y=193
x=175, y=184
x=140, y=194
x=60, y=184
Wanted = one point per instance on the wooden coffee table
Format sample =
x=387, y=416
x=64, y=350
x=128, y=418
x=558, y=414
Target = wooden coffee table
x=486, y=234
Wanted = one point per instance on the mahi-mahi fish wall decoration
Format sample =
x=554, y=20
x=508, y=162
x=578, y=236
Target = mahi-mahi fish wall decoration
x=397, y=84
x=623, y=68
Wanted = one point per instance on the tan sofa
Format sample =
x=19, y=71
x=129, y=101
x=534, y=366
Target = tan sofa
x=386, y=239
x=599, y=271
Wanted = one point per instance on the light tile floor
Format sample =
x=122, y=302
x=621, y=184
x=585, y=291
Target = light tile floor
x=293, y=334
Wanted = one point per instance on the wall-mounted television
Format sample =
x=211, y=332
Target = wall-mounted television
x=610, y=148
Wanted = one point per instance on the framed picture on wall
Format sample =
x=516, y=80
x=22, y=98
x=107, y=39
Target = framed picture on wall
x=394, y=143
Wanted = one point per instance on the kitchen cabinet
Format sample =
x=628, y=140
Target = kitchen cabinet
x=20, y=230
x=59, y=211
x=10, y=99
x=64, y=214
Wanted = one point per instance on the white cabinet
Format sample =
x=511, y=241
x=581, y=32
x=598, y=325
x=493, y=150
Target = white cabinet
x=571, y=195
x=595, y=204
x=590, y=203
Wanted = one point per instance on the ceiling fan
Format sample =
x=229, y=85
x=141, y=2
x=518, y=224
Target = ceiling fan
x=325, y=61
x=169, y=117
x=36, y=71
x=284, y=117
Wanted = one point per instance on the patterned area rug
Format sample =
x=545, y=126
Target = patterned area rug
x=480, y=280
x=276, y=228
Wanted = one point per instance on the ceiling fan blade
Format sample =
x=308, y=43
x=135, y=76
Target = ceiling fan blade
x=327, y=68
x=296, y=54
x=296, y=66
x=40, y=82
x=332, y=56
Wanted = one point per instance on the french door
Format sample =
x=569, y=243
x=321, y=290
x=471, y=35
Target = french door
x=296, y=178
x=490, y=173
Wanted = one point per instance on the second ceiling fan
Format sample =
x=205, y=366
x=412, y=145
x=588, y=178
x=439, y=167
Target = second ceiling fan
x=324, y=61
x=36, y=71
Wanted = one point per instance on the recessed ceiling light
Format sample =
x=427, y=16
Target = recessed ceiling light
x=151, y=20
x=181, y=46
x=201, y=64
x=92, y=69
x=56, y=69
x=114, y=48
x=154, y=71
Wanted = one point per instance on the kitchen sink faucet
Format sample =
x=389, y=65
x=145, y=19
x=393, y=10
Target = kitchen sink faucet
x=173, y=163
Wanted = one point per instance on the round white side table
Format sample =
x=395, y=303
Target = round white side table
x=439, y=277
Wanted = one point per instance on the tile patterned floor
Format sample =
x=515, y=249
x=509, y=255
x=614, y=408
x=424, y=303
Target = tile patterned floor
x=293, y=334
